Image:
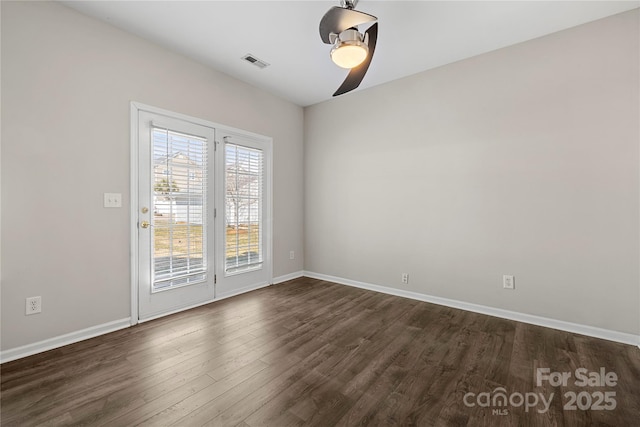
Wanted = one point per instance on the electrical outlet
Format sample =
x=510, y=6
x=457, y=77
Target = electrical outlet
x=292, y=255
x=33, y=306
x=405, y=278
x=508, y=282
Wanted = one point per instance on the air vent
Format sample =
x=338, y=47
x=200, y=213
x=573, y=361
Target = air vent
x=255, y=61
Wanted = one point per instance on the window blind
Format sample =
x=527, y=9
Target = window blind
x=179, y=209
x=243, y=207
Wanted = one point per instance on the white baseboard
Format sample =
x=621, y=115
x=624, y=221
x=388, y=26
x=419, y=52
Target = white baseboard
x=576, y=328
x=287, y=277
x=62, y=340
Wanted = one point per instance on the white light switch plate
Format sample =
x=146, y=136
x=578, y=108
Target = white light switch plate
x=112, y=200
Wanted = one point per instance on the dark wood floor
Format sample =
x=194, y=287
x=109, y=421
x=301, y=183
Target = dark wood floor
x=309, y=352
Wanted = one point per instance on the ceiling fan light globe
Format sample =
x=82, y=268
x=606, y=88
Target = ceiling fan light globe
x=349, y=54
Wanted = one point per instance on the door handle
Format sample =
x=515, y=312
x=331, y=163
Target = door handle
x=145, y=224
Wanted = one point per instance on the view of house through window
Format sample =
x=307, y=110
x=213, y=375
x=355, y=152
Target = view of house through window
x=243, y=207
x=179, y=209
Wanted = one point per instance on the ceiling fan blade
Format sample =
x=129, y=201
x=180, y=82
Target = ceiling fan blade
x=355, y=76
x=338, y=19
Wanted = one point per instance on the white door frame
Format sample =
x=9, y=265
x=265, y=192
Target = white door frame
x=136, y=107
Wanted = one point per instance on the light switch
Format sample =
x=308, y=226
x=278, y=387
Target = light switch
x=112, y=200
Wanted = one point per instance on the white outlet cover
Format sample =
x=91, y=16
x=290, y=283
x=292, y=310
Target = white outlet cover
x=508, y=282
x=33, y=305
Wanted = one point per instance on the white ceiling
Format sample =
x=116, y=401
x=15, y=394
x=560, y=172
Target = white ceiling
x=413, y=36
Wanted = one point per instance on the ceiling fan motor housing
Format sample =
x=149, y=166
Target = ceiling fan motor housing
x=350, y=48
x=351, y=37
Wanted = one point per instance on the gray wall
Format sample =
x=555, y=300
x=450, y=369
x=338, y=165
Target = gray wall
x=67, y=83
x=521, y=161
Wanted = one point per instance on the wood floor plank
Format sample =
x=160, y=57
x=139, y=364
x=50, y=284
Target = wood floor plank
x=378, y=401
x=310, y=352
x=179, y=410
x=241, y=401
x=166, y=400
x=335, y=371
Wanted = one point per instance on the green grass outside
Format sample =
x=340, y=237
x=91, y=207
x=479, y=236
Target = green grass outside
x=186, y=237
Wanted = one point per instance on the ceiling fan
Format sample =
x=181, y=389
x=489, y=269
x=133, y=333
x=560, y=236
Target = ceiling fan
x=351, y=49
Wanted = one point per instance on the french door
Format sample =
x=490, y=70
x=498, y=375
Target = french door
x=175, y=214
x=203, y=212
x=245, y=225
